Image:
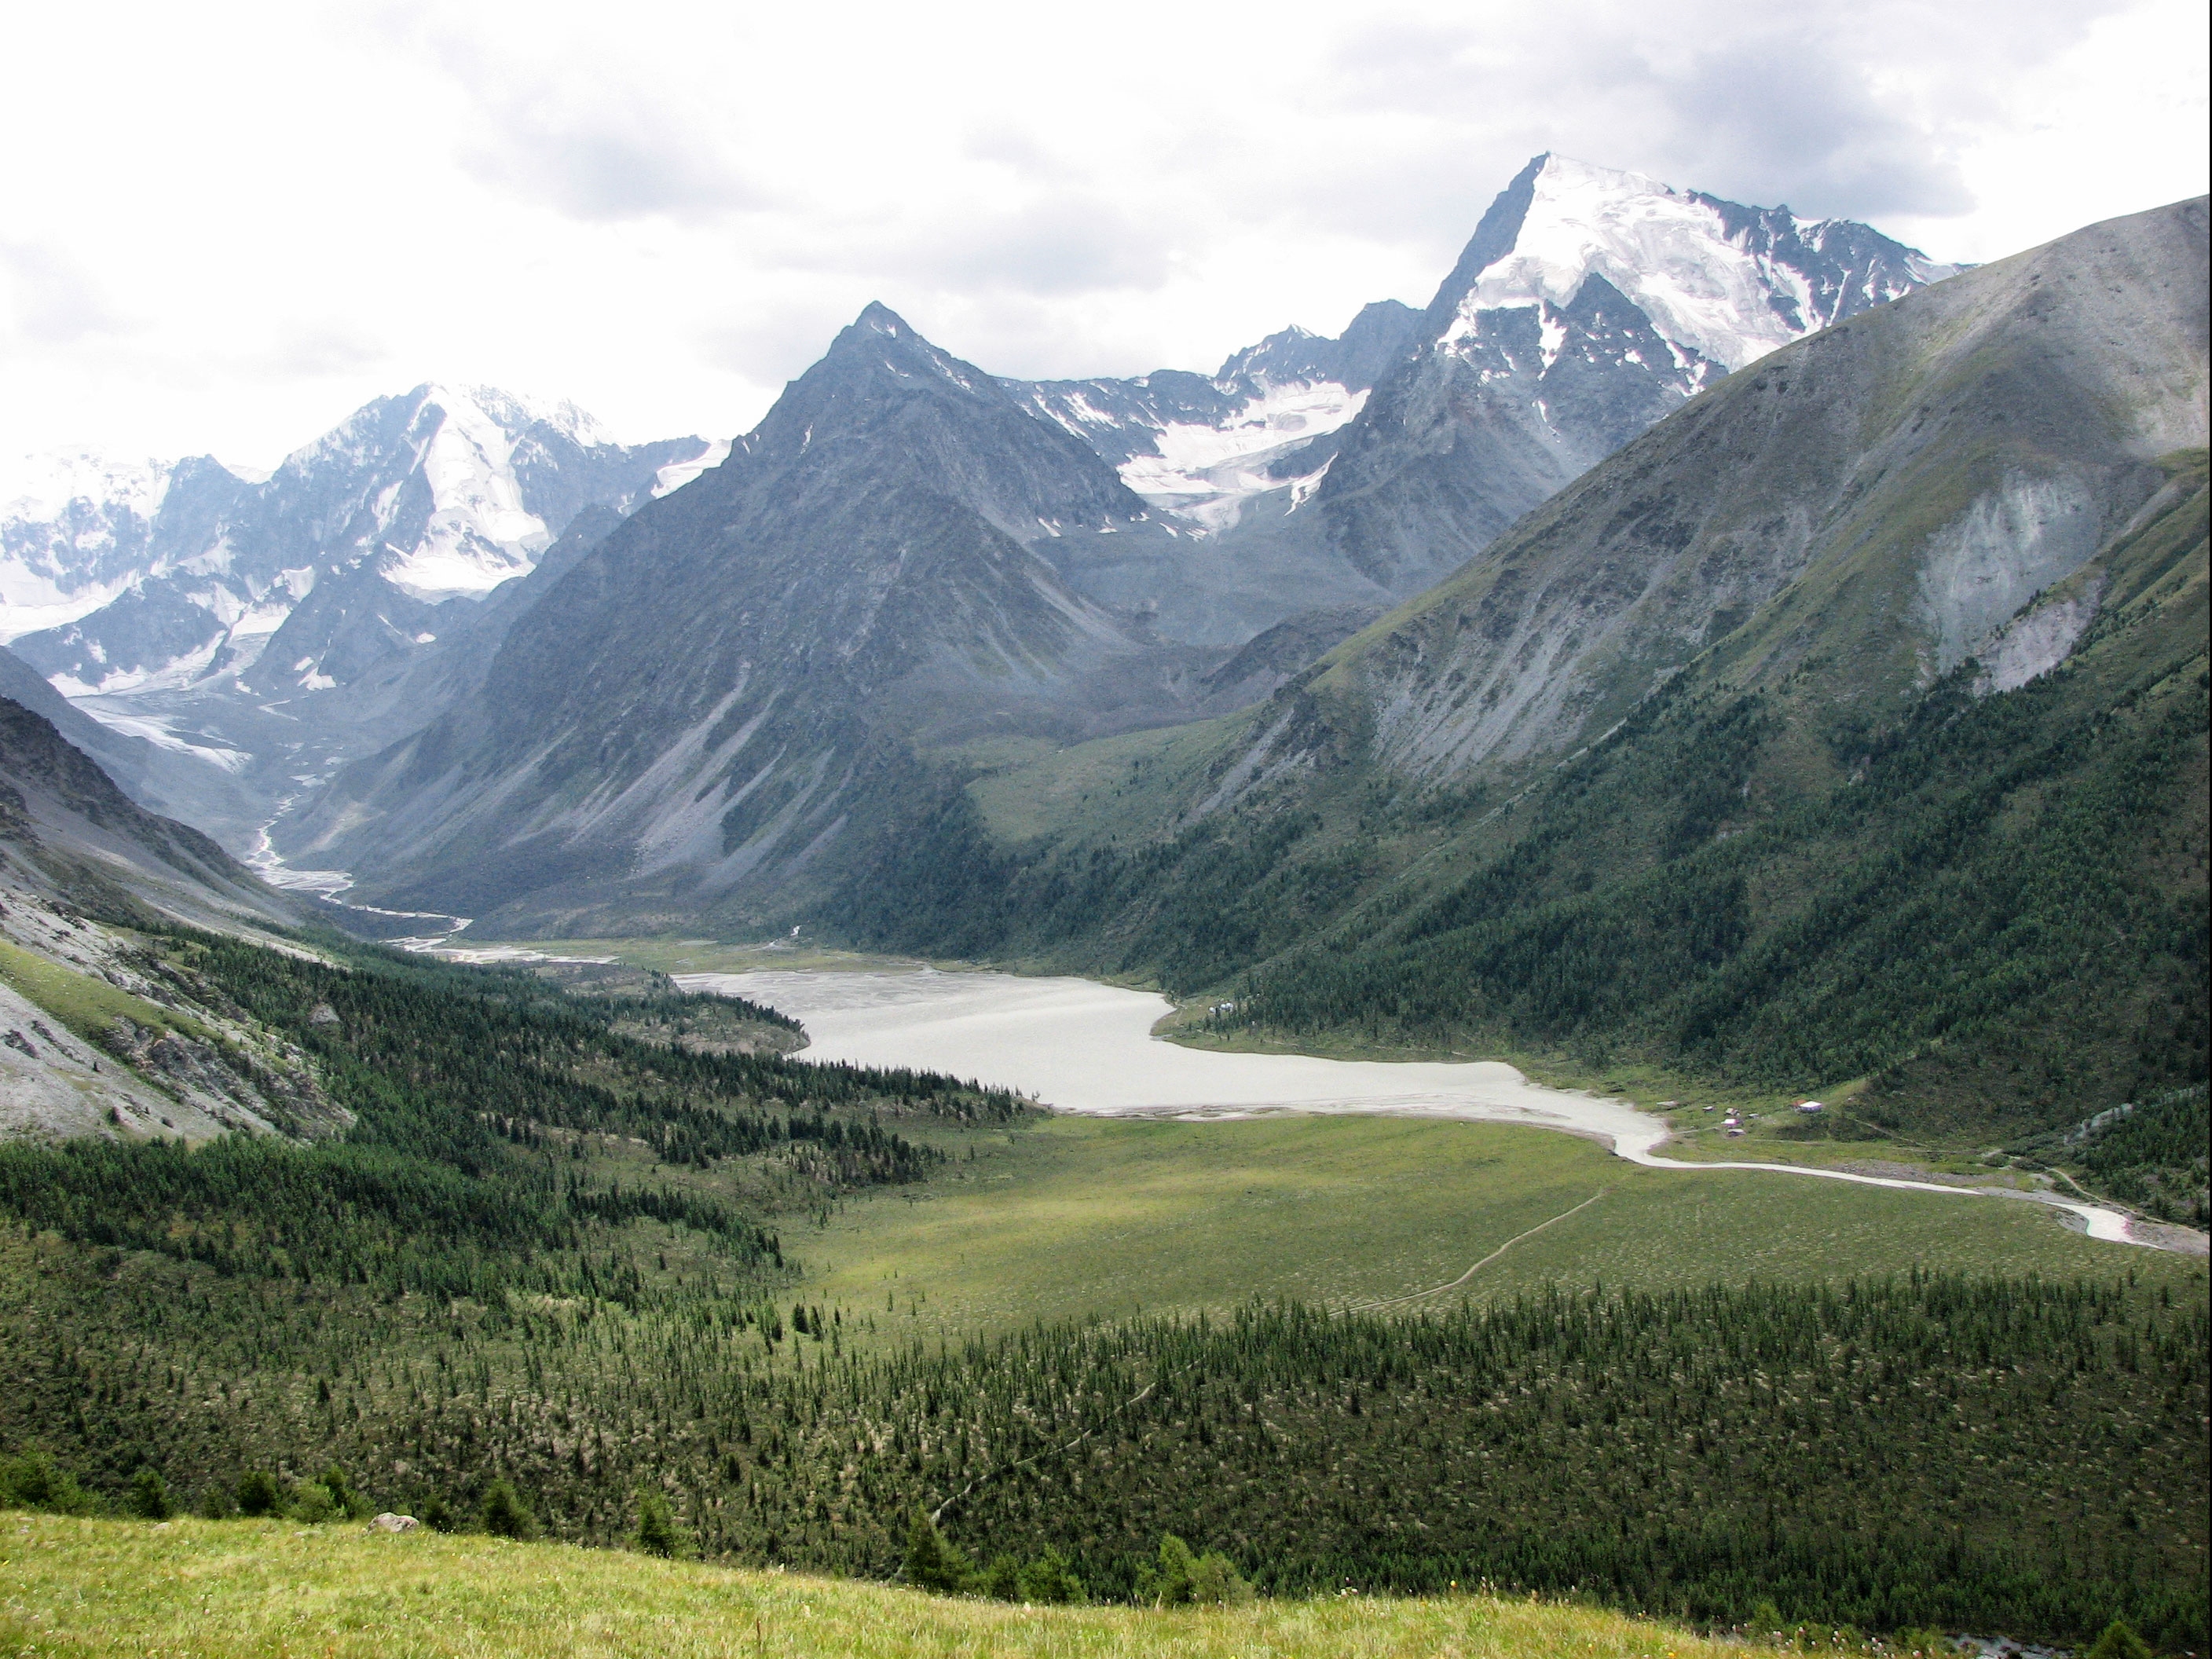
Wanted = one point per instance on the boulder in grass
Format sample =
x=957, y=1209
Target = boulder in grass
x=390, y=1522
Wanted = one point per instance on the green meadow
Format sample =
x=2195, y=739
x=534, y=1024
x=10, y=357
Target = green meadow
x=1076, y=1218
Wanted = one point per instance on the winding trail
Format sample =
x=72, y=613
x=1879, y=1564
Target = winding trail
x=1438, y=1290
x=1083, y=1047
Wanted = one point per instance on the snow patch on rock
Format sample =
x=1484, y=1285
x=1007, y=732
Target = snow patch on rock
x=1205, y=473
x=676, y=474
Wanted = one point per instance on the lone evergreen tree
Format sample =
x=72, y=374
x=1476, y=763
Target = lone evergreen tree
x=931, y=1563
x=343, y=1494
x=656, y=1524
x=149, y=1495
x=258, y=1494
x=1168, y=1584
x=504, y=1514
x=1050, y=1581
x=2120, y=1641
x=1181, y=1577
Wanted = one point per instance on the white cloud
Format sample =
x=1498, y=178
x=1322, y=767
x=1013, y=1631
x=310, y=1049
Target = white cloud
x=51, y=300
x=227, y=227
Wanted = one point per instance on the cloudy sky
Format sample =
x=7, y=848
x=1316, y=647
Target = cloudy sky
x=222, y=228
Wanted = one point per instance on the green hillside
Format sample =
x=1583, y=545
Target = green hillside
x=102, y=1589
x=553, y=1257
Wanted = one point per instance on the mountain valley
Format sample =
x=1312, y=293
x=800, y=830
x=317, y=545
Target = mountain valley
x=1715, y=659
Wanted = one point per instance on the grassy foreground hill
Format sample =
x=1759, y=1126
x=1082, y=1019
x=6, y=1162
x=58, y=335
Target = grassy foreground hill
x=197, y=1590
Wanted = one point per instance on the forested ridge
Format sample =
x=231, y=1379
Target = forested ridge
x=479, y=1100
x=2001, y=1455
x=1990, y=907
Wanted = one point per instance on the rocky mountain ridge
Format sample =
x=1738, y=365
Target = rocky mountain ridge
x=714, y=688
x=216, y=614
x=1352, y=474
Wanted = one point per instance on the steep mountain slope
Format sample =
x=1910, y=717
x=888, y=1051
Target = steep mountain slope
x=67, y=832
x=1312, y=474
x=1849, y=723
x=180, y=602
x=159, y=769
x=1899, y=487
x=705, y=698
x=1588, y=304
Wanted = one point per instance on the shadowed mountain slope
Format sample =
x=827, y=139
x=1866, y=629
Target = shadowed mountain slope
x=703, y=701
x=1848, y=725
x=67, y=832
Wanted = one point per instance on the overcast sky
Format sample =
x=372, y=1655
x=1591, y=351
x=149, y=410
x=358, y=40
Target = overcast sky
x=224, y=227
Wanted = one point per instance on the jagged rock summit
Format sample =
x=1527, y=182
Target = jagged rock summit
x=1347, y=475
x=282, y=621
x=712, y=692
x=1588, y=304
x=190, y=571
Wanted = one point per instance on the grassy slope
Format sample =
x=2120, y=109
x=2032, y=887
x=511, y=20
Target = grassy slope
x=86, y=1005
x=235, y=1588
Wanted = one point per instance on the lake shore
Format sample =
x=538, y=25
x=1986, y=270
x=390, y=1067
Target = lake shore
x=1078, y=1046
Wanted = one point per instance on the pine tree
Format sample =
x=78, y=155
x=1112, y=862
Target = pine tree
x=932, y=1563
x=149, y=1495
x=656, y=1524
x=257, y=1493
x=504, y=1513
x=2120, y=1641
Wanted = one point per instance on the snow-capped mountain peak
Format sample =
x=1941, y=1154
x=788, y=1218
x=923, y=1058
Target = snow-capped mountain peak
x=1590, y=303
x=190, y=572
x=73, y=530
x=1729, y=283
x=45, y=486
x=479, y=534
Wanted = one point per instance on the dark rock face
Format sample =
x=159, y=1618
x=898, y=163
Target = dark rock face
x=706, y=695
